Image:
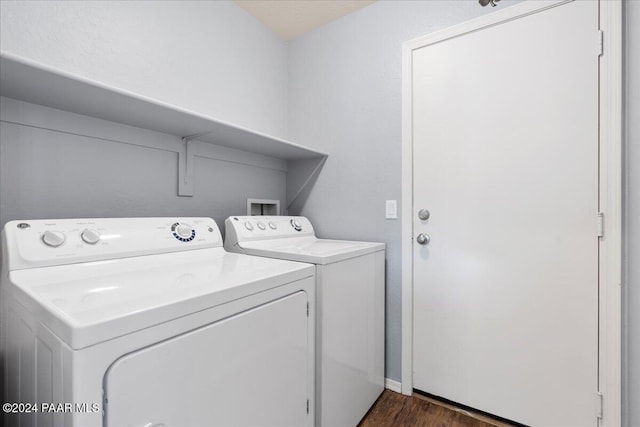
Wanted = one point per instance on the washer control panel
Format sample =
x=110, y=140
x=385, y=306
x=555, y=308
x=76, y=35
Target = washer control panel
x=244, y=228
x=36, y=243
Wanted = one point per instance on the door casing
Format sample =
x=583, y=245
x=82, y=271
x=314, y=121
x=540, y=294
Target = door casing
x=610, y=186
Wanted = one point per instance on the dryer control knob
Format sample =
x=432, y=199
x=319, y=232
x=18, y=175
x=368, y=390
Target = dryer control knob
x=272, y=225
x=261, y=225
x=90, y=236
x=184, y=231
x=296, y=225
x=53, y=238
x=248, y=226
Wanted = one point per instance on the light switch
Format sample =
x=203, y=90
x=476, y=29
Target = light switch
x=392, y=209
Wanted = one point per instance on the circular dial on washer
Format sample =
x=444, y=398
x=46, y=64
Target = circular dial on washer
x=183, y=232
x=53, y=238
x=90, y=236
x=296, y=225
x=248, y=225
x=261, y=225
x=272, y=225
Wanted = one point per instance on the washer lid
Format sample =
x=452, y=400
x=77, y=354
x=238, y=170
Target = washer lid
x=88, y=303
x=310, y=249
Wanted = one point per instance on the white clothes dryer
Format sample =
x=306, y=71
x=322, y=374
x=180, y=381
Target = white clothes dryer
x=350, y=306
x=150, y=322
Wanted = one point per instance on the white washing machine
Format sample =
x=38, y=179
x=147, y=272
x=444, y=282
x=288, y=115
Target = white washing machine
x=350, y=303
x=150, y=322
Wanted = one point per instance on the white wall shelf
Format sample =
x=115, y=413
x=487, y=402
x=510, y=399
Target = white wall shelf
x=35, y=83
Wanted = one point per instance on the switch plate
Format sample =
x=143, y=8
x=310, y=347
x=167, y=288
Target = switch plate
x=391, y=209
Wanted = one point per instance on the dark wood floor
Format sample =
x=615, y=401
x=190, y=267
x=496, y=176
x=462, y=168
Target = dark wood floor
x=395, y=409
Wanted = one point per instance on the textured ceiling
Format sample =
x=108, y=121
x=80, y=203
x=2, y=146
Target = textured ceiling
x=292, y=18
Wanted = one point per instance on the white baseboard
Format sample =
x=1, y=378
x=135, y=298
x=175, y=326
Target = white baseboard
x=393, y=385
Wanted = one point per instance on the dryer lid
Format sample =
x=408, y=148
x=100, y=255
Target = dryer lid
x=88, y=303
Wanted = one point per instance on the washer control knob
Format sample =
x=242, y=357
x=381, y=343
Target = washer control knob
x=90, y=236
x=248, y=226
x=53, y=238
x=272, y=225
x=296, y=225
x=184, y=231
x=261, y=225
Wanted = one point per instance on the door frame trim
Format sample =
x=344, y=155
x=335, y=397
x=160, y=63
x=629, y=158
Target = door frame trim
x=610, y=161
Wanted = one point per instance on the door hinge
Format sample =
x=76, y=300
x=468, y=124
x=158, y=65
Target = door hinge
x=600, y=42
x=600, y=224
x=307, y=406
x=599, y=405
x=307, y=309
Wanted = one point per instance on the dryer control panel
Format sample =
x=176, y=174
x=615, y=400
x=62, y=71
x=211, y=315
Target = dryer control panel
x=246, y=228
x=41, y=243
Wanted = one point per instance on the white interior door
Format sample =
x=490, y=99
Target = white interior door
x=505, y=158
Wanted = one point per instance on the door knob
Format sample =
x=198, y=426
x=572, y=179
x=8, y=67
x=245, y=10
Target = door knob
x=423, y=214
x=423, y=239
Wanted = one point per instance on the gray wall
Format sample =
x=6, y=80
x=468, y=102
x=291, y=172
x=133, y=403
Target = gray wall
x=207, y=56
x=345, y=98
x=102, y=169
x=211, y=57
x=631, y=273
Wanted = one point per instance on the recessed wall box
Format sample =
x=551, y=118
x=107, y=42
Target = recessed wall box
x=263, y=207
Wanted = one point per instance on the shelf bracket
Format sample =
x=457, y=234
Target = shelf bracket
x=185, y=168
x=185, y=164
x=302, y=169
